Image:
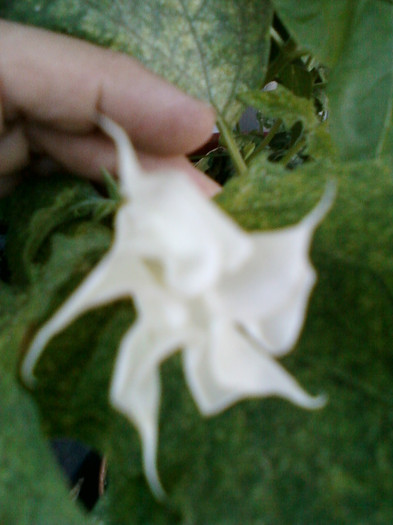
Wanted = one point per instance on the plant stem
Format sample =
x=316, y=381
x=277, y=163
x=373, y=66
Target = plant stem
x=230, y=143
x=276, y=37
x=288, y=53
x=266, y=141
x=293, y=150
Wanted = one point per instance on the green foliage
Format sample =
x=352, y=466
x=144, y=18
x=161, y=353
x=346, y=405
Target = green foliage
x=32, y=491
x=198, y=45
x=283, y=104
x=330, y=466
x=354, y=38
x=336, y=465
x=262, y=461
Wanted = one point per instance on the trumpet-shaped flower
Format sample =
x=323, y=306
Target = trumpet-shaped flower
x=232, y=301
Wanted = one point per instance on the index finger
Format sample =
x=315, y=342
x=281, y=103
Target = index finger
x=62, y=82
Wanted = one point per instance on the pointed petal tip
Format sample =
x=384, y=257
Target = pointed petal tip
x=128, y=164
x=315, y=402
x=155, y=486
x=150, y=467
x=29, y=362
x=148, y=437
x=323, y=207
x=28, y=378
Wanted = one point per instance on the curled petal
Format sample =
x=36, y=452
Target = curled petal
x=230, y=368
x=102, y=285
x=135, y=389
x=268, y=295
x=278, y=332
x=129, y=168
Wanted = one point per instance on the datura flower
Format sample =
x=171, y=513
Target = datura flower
x=232, y=301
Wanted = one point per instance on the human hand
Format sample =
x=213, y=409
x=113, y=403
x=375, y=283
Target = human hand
x=51, y=88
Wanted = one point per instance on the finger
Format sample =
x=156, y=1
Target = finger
x=208, y=186
x=8, y=183
x=14, y=150
x=62, y=82
x=87, y=155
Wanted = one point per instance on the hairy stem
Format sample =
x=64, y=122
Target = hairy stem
x=233, y=150
x=288, y=53
x=266, y=141
x=293, y=150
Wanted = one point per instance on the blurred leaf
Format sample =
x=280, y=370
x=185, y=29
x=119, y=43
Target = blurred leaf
x=387, y=146
x=286, y=465
x=36, y=210
x=336, y=465
x=355, y=38
x=360, y=87
x=210, y=48
x=52, y=241
x=298, y=79
x=320, y=27
x=282, y=104
x=32, y=491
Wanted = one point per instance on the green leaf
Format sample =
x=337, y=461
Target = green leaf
x=319, y=27
x=284, y=105
x=387, y=145
x=335, y=465
x=298, y=79
x=360, y=87
x=32, y=491
x=53, y=239
x=262, y=460
x=212, y=49
x=37, y=209
x=355, y=38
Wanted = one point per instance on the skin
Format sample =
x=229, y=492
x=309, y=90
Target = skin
x=51, y=88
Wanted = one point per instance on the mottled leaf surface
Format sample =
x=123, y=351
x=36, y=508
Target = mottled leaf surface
x=354, y=38
x=334, y=466
x=284, y=105
x=32, y=490
x=41, y=216
x=262, y=461
x=212, y=49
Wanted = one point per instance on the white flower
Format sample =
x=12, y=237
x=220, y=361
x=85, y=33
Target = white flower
x=231, y=300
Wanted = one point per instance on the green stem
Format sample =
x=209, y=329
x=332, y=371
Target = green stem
x=276, y=37
x=230, y=143
x=292, y=151
x=288, y=53
x=266, y=141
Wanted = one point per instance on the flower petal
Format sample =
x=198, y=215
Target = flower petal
x=279, y=331
x=230, y=367
x=169, y=220
x=114, y=277
x=129, y=168
x=135, y=389
x=191, y=238
x=269, y=294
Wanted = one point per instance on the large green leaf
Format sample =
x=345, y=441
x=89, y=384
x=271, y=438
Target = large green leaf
x=319, y=26
x=32, y=491
x=284, y=105
x=286, y=465
x=211, y=48
x=36, y=211
x=355, y=38
x=337, y=465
